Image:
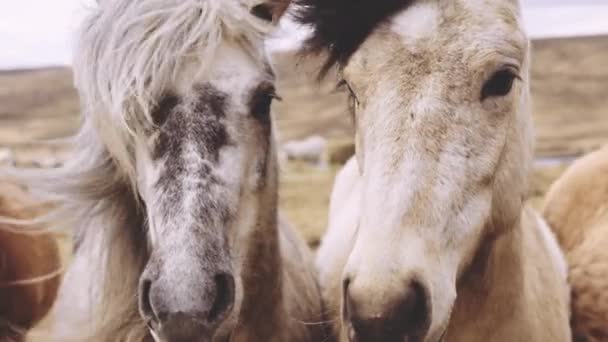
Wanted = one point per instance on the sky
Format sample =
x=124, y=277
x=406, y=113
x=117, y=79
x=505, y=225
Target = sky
x=37, y=33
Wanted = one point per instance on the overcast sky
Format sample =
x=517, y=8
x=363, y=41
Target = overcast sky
x=39, y=32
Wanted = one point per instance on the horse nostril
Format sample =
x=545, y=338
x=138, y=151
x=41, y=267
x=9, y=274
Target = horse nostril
x=224, y=297
x=145, y=304
x=415, y=308
x=406, y=317
x=345, y=297
x=345, y=285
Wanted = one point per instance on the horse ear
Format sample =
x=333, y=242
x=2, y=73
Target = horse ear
x=270, y=10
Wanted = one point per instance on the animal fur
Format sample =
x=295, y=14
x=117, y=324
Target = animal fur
x=433, y=204
x=129, y=55
x=30, y=267
x=576, y=208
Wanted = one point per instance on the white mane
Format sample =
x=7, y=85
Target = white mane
x=130, y=51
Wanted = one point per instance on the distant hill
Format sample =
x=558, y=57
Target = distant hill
x=570, y=92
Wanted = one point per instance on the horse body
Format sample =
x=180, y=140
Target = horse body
x=576, y=208
x=428, y=237
x=29, y=267
x=173, y=186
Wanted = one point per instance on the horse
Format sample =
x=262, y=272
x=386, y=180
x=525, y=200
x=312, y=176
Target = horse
x=172, y=189
x=429, y=238
x=30, y=267
x=576, y=208
x=312, y=149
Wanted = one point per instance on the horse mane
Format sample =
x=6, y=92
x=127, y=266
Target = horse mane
x=128, y=53
x=339, y=27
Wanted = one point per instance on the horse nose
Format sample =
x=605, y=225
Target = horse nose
x=405, y=317
x=186, y=312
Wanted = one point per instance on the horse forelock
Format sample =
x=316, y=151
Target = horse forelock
x=129, y=52
x=339, y=27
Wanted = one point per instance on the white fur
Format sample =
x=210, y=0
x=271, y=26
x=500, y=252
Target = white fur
x=7, y=157
x=554, y=249
x=129, y=54
x=122, y=70
x=343, y=215
x=417, y=22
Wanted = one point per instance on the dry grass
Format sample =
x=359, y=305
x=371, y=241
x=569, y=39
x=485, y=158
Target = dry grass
x=304, y=197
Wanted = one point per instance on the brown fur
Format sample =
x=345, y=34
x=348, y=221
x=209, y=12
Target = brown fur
x=576, y=208
x=24, y=257
x=282, y=301
x=279, y=7
x=510, y=289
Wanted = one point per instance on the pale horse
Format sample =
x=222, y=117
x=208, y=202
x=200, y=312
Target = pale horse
x=429, y=238
x=173, y=186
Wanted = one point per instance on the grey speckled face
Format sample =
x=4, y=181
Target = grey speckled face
x=202, y=170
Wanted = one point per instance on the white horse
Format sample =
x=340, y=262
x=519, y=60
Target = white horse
x=312, y=149
x=429, y=239
x=173, y=189
x=7, y=157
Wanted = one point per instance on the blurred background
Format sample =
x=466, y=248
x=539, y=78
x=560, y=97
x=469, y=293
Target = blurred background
x=570, y=92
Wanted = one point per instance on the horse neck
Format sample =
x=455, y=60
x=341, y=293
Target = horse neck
x=503, y=285
x=262, y=267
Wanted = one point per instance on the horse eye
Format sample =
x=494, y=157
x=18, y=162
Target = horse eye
x=164, y=108
x=262, y=11
x=262, y=101
x=500, y=84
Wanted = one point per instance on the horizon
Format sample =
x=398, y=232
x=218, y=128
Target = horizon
x=49, y=42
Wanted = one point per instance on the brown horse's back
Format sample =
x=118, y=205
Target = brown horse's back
x=24, y=257
x=577, y=210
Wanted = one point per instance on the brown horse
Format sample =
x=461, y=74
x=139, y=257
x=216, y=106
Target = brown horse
x=576, y=208
x=29, y=267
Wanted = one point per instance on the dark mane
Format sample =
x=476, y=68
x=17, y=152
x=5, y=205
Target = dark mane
x=341, y=26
